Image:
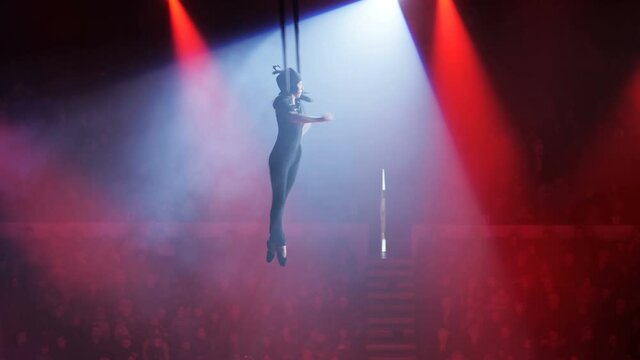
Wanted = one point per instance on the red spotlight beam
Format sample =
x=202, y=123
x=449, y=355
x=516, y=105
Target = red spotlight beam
x=473, y=114
x=219, y=150
x=189, y=43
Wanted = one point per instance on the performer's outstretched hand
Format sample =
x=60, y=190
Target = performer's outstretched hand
x=327, y=117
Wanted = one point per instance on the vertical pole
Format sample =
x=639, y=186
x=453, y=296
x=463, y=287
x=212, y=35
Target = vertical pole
x=383, y=218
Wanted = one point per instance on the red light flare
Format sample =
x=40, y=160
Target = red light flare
x=38, y=185
x=475, y=119
x=222, y=148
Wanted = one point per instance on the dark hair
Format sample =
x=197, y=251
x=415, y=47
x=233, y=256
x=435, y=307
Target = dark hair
x=281, y=79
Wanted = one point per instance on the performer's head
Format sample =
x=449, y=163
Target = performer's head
x=295, y=81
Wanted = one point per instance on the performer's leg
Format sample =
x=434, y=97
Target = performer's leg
x=293, y=171
x=278, y=174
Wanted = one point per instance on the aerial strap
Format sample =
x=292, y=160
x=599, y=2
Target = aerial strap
x=283, y=30
x=296, y=21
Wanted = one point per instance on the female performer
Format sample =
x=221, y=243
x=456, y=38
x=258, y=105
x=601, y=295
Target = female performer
x=285, y=156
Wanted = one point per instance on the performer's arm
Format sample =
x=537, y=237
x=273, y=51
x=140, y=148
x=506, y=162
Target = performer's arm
x=305, y=119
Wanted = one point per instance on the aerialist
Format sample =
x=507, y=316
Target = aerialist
x=285, y=156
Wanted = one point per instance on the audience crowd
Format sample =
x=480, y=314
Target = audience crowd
x=175, y=303
x=532, y=298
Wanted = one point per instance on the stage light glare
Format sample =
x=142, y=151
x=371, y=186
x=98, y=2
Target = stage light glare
x=384, y=5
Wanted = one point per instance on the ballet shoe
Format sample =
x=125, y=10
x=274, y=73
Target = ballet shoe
x=282, y=255
x=271, y=251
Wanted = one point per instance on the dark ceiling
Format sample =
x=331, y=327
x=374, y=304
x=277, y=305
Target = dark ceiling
x=117, y=37
x=37, y=27
x=34, y=28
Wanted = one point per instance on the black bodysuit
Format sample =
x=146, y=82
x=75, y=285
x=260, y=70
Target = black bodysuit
x=283, y=163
